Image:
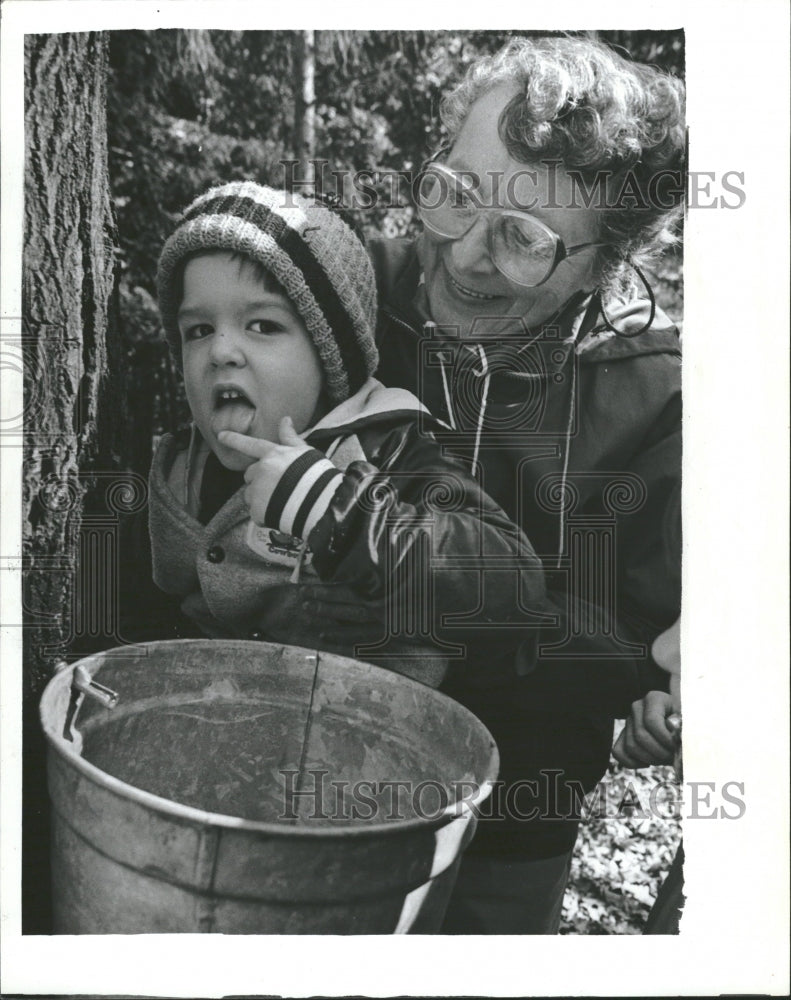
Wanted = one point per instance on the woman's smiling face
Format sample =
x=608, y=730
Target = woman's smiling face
x=248, y=360
x=464, y=288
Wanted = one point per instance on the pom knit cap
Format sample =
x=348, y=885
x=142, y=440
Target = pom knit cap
x=320, y=263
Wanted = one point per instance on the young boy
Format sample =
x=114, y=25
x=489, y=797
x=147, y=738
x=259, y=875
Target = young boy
x=300, y=464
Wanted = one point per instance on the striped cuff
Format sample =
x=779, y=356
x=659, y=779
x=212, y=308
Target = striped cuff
x=303, y=494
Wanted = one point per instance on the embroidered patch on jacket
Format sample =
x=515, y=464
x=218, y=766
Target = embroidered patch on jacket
x=276, y=546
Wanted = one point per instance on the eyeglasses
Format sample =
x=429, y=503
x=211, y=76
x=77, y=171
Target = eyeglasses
x=522, y=248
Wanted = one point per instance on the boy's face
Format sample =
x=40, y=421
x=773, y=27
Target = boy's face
x=248, y=359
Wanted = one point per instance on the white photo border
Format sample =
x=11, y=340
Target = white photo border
x=734, y=626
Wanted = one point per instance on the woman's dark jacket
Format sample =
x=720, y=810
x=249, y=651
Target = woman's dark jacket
x=579, y=441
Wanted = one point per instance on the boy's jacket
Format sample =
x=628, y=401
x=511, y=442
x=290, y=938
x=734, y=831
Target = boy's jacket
x=403, y=536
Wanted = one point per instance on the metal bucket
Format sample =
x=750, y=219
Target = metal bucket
x=252, y=788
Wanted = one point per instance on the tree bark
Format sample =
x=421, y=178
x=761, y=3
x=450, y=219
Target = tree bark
x=305, y=106
x=67, y=282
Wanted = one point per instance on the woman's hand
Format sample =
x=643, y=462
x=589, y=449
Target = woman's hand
x=651, y=733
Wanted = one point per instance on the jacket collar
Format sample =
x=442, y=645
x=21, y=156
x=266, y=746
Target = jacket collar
x=374, y=403
x=168, y=482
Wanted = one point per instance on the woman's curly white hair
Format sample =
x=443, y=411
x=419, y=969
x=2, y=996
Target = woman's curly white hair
x=580, y=102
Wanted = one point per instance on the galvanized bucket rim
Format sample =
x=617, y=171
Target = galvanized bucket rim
x=456, y=810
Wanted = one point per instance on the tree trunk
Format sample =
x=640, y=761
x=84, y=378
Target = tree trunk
x=67, y=282
x=305, y=107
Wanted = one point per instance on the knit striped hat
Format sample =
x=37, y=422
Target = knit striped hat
x=322, y=266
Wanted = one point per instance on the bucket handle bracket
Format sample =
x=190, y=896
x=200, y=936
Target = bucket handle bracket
x=83, y=684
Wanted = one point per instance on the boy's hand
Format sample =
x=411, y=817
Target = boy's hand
x=289, y=485
x=271, y=461
x=651, y=734
x=333, y=617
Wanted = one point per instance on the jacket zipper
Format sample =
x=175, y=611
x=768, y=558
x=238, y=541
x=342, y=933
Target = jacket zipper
x=401, y=322
x=387, y=310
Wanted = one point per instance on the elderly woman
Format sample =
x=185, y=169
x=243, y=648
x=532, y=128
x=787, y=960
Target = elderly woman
x=523, y=319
